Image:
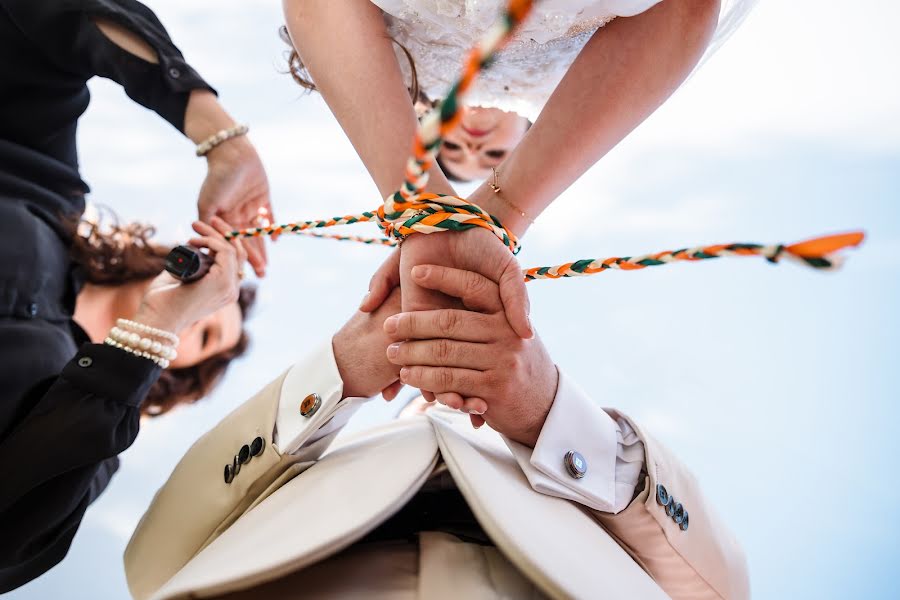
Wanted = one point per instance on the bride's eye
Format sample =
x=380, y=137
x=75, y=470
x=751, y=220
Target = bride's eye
x=451, y=146
x=495, y=153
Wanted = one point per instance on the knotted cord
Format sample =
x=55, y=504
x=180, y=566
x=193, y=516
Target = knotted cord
x=412, y=210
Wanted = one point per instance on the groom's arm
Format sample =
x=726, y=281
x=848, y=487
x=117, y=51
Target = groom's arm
x=566, y=444
x=266, y=441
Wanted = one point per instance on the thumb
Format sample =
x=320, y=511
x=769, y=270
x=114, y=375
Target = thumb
x=383, y=282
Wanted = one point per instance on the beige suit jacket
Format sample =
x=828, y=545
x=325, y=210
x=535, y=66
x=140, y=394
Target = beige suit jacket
x=202, y=537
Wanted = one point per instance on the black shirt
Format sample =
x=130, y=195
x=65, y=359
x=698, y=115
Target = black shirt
x=65, y=412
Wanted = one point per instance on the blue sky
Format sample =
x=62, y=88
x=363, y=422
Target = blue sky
x=777, y=385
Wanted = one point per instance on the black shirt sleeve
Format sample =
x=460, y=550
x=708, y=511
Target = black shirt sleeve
x=65, y=32
x=63, y=454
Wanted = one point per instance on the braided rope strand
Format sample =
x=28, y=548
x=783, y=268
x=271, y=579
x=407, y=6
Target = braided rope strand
x=412, y=210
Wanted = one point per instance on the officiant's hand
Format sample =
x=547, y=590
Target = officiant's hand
x=474, y=361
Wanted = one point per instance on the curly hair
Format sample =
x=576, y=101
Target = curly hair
x=118, y=254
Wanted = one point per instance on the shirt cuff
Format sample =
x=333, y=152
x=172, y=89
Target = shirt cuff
x=316, y=374
x=111, y=373
x=577, y=423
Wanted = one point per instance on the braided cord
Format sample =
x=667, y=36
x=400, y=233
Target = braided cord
x=411, y=210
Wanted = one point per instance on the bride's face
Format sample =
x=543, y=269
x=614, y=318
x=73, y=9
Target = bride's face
x=484, y=138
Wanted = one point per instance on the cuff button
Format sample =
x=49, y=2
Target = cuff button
x=662, y=494
x=575, y=464
x=235, y=466
x=257, y=446
x=244, y=454
x=229, y=474
x=684, y=522
x=670, y=506
x=310, y=405
x=678, y=517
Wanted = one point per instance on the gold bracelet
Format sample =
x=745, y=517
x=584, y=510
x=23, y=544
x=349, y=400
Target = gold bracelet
x=495, y=187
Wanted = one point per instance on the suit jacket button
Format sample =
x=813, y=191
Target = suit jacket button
x=575, y=464
x=678, y=517
x=244, y=454
x=85, y=361
x=235, y=466
x=257, y=446
x=310, y=405
x=670, y=506
x=662, y=494
x=229, y=474
x=684, y=522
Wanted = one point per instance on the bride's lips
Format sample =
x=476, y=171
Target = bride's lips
x=476, y=132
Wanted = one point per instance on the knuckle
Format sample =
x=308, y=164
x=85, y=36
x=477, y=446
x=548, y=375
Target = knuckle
x=445, y=378
x=447, y=322
x=442, y=350
x=474, y=283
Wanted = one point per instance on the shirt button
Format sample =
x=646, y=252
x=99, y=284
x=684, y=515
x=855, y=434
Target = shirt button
x=310, y=405
x=575, y=464
x=257, y=446
x=174, y=73
x=33, y=309
x=85, y=361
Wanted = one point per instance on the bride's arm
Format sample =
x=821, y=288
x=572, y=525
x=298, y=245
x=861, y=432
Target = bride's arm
x=623, y=74
x=350, y=57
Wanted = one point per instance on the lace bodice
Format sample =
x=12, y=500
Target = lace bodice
x=438, y=33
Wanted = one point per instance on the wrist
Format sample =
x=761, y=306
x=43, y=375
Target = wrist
x=165, y=320
x=512, y=219
x=362, y=375
x=204, y=116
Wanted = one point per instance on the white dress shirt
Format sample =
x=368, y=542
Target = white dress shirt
x=612, y=450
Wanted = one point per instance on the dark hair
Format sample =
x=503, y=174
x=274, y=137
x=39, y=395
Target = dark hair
x=118, y=254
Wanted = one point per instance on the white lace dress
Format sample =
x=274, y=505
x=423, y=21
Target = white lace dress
x=438, y=33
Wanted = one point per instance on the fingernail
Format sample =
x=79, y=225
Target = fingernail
x=391, y=324
x=364, y=300
x=476, y=412
x=393, y=350
x=420, y=272
x=404, y=373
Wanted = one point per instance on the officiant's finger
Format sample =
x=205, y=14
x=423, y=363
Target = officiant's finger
x=428, y=396
x=476, y=291
x=224, y=228
x=444, y=379
x=452, y=324
x=440, y=353
x=383, y=282
x=477, y=421
x=256, y=255
x=391, y=391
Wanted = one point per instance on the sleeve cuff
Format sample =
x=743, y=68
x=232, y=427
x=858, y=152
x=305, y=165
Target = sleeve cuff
x=575, y=423
x=317, y=374
x=112, y=373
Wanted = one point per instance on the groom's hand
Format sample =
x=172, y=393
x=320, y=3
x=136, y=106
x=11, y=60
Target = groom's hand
x=359, y=353
x=473, y=360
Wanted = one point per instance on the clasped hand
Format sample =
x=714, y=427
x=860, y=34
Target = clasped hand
x=467, y=356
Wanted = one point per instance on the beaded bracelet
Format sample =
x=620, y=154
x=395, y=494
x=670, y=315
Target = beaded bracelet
x=135, y=341
x=134, y=326
x=162, y=362
x=204, y=147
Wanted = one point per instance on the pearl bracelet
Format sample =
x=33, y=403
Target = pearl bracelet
x=136, y=342
x=204, y=147
x=162, y=362
x=134, y=326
